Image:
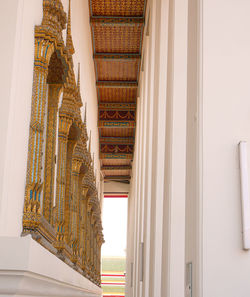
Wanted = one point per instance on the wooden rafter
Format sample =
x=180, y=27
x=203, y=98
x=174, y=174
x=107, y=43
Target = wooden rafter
x=117, y=177
x=116, y=56
x=116, y=167
x=115, y=156
x=121, y=21
x=117, y=106
x=117, y=84
x=116, y=124
x=117, y=140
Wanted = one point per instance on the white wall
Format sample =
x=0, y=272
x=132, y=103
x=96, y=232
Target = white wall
x=18, y=117
x=226, y=121
x=27, y=269
x=217, y=119
x=8, y=20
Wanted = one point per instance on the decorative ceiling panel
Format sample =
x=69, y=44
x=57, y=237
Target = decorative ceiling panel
x=118, y=115
x=117, y=7
x=117, y=33
x=117, y=132
x=117, y=70
x=110, y=162
x=117, y=39
x=116, y=172
x=117, y=95
x=121, y=148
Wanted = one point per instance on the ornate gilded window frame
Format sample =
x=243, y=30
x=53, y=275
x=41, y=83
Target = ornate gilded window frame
x=71, y=229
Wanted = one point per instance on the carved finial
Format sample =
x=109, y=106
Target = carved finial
x=78, y=78
x=90, y=141
x=85, y=114
x=69, y=42
x=78, y=86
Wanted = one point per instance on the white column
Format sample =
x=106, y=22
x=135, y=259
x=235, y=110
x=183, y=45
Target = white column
x=136, y=282
x=173, y=278
x=194, y=169
x=147, y=170
x=133, y=217
x=167, y=252
x=162, y=151
x=177, y=162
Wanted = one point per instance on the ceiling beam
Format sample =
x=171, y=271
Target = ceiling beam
x=117, y=84
x=116, y=115
x=118, y=148
x=116, y=167
x=117, y=106
x=116, y=124
x=117, y=177
x=117, y=140
x=116, y=56
x=116, y=156
x=121, y=21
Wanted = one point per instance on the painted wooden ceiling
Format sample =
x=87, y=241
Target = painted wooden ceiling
x=117, y=34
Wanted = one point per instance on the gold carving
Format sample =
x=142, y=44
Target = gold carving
x=70, y=223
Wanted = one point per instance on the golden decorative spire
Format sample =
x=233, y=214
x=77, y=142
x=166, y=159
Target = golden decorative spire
x=89, y=142
x=85, y=114
x=78, y=78
x=69, y=42
x=78, y=87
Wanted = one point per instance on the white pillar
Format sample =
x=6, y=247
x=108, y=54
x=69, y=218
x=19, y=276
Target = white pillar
x=194, y=174
x=174, y=223
x=162, y=185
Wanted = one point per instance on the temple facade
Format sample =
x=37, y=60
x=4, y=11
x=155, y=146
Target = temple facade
x=149, y=98
x=51, y=229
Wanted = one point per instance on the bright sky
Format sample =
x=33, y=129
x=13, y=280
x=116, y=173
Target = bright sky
x=114, y=226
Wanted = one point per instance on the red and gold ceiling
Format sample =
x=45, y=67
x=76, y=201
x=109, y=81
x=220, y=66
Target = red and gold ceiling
x=117, y=34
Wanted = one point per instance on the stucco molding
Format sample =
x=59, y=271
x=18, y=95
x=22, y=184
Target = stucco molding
x=27, y=269
x=26, y=283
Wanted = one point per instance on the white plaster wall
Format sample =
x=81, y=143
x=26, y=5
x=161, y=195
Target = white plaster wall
x=33, y=271
x=16, y=142
x=7, y=50
x=19, y=99
x=226, y=120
